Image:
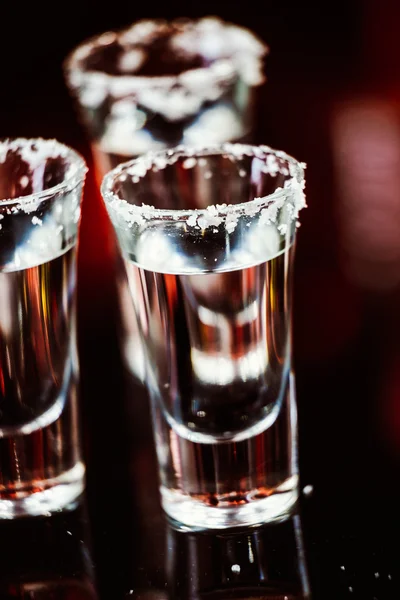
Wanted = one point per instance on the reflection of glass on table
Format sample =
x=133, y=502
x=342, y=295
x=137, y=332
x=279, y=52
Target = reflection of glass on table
x=41, y=184
x=208, y=241
x=266, y=562
x=48, y=558
x=158, y=84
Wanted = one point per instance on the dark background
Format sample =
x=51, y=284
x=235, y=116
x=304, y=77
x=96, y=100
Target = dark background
x=332, y=100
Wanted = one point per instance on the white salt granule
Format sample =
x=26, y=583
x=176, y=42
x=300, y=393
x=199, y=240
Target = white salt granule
x=209, y=218
x=189, y=163
x=231, y=221
x=24, y=181
x=37, y=221
x=132, y=60
x=192, y=220
x=27, y=206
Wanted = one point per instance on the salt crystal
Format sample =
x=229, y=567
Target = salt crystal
x=189, y=163
x=231, y=222
x=202, y=222
x=132, y=60
x=282, y=228
x=192, y=220
x=291, y=197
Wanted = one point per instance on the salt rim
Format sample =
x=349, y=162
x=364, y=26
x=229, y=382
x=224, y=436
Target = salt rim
x=237, y=52
x=45, y=148
x=291, y=196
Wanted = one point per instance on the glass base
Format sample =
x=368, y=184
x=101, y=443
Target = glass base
x=191, y=513
x=52, y=495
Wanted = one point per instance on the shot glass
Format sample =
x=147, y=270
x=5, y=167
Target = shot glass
x=207, y=235
x=157, y=84
x=41, y=468
x=154, y=85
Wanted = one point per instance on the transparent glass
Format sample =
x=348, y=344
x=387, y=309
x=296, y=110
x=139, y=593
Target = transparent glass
x=154, y=85
x=41, y=184
x=207, y=237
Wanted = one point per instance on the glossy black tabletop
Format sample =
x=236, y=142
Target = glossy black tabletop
x=332, y=100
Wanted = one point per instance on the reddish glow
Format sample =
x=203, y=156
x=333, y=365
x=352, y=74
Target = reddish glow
x=97, y=256
x=366, y=145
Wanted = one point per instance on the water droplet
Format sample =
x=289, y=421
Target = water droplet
x=235, y=568
x=308, y=490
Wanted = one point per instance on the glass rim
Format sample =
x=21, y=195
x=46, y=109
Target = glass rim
x=293, y=190
x=74, y=62
x=76, y=171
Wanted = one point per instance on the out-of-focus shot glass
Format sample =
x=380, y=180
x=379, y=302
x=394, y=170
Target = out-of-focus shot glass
x=207, y=235
x=41, y=469
x=158, y=84
x=154, y=85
